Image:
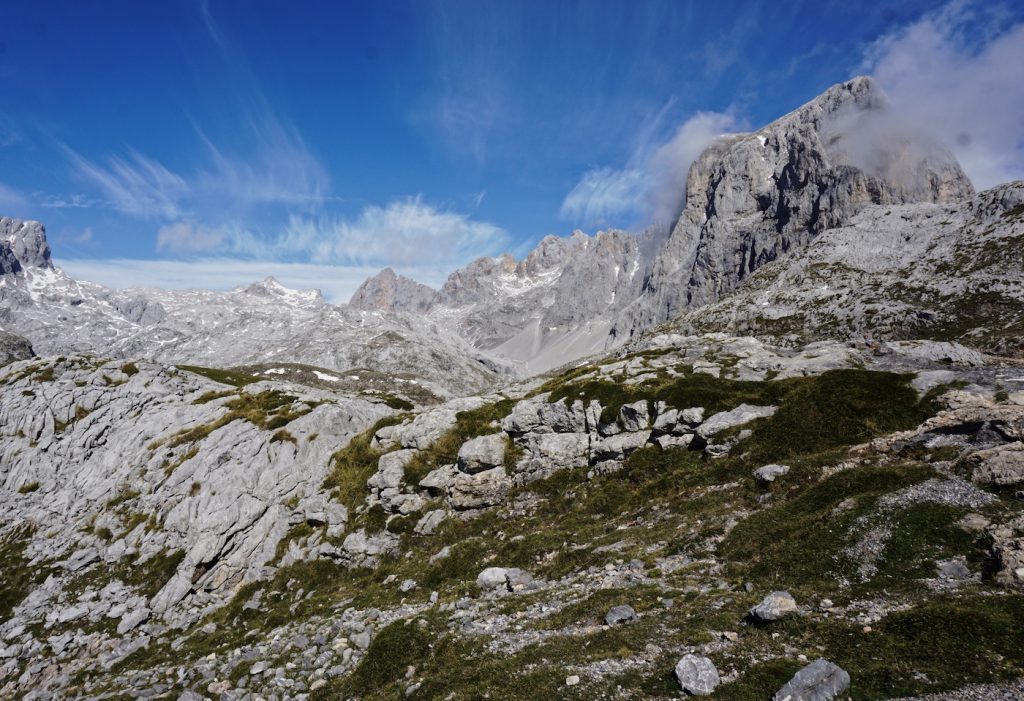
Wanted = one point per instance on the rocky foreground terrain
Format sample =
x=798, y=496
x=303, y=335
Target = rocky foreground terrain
x=711, y=505
x=781, y=458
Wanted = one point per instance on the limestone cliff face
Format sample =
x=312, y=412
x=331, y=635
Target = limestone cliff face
x=751, y=198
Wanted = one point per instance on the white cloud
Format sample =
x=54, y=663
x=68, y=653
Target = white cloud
x=280, y=169
x=652, y=185
x=670, y=163
x=409, y=235
x=187, y=237
x=404, y=233
x=84, y=237
x=956, y=74
x=74, y=201
x=336, y=282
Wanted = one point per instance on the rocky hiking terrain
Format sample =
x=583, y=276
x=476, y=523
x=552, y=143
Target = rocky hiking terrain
x=781, y=457
x=711, y=505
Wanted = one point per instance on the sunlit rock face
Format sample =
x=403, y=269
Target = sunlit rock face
x=751, y=198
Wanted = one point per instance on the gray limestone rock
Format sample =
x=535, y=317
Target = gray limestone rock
x=743, y=414
x=1002, y=466
x=766, y=474
x=620, y=614
x=430, y=522
x=750, y=198
x=821, y=680
x=619, y=446
x=482, y=453
x=479, y=490
x=13, y=347
x=503, y=579
x=774, y=607
x=635, y=416
x=697, y=675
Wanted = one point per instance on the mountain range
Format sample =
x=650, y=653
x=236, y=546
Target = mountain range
x=773, y=452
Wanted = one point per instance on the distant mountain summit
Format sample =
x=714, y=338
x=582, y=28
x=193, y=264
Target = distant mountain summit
x=389, y=292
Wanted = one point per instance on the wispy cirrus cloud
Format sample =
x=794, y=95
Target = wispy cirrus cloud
x=188, y=237
x=276, y=168
x=651, y=187
x=955, y=74
x=260, y=159
x=133, y=184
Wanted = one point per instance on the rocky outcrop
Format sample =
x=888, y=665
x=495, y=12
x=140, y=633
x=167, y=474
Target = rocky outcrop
x=914, y=271
x=22, y=245
x=115, y=460
x=14, y=348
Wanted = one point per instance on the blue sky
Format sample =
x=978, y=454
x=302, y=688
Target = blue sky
x=211, y=143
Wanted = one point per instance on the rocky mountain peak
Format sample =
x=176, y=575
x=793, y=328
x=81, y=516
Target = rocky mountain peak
x=389, y=291
x=751, y=198
x=22, y=245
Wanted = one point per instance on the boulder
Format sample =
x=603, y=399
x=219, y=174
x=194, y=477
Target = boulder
x=13, y=348
x=503, y=579
x=480, y=490
x=619, y=446
x=774, y=607
x=766, y=474
x=430, y=522
x=697, y=675
x=536, y=415
x=821, y=680
x=666, y=442
x=546, y=453
x=391, y=469
x=743, y=414
x=635, y=416
x=1002, y=466
x=482, y=453
x=132, y=620
x=438, y=481
x=665, y=419
x=692, y=416
x=620, y=614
